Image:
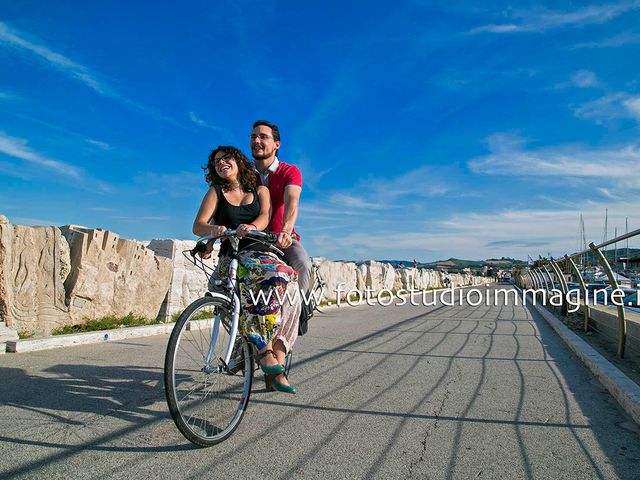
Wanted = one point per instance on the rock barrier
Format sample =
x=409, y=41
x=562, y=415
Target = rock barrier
x=188, y=281
x=51, y=277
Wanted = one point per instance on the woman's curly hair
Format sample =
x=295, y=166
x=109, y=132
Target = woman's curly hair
x=246, y=174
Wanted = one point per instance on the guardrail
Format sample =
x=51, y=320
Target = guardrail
x=541, y=277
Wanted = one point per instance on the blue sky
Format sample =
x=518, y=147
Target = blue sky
x=423, y=129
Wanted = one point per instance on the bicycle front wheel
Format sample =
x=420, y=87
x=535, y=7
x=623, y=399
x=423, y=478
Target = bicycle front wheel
x=207, y=398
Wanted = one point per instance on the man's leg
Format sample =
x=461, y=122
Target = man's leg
x=297, y=257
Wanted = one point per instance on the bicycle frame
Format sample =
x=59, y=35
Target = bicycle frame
x=234, y=299
x=232, y=282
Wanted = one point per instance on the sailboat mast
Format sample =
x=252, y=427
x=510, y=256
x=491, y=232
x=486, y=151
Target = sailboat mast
x=626, y=230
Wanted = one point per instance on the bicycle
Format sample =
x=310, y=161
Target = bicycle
x=208, y=370
x=317, y=290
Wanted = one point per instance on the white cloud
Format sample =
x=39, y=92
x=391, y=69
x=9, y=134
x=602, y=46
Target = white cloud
x=556, y=230
x=179, y=184
x=335, y=213
x=605, y=107
x=420, y=182
x=99, y=144
x=632, y=104
x=619, y=40
x=510, y=157
x=510, y=232
x=312, y=175
x=493, y=28
x=225, y=133
x=198, y=121
x=610, y=107
x=12, y=38
x=11, y=169
x=378, y=200
x=352, y=201
x=370, y=225
x=581, y=79
x=584, y=79
x=540, y=20
x=607, y=193
x=17, y=148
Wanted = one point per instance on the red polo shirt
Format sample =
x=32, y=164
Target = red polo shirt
x=284, y=175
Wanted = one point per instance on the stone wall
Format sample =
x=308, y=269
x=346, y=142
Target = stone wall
x=34, y=264
x=376, y=276
x=113, y=276
x=52, y=276
x=189, y=281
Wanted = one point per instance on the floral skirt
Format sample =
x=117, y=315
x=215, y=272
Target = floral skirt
x=269, y=296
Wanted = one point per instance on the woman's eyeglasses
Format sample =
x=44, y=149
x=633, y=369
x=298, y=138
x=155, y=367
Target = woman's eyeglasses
x=227, y=158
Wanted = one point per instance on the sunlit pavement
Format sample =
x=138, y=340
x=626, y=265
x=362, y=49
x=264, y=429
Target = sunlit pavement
x=387, y=392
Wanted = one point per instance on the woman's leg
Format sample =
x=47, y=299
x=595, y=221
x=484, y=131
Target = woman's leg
x=281, y=354
x=268, y=359
x=288, y=330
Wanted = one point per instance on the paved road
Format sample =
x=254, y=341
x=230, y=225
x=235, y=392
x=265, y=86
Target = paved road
x=396, y=392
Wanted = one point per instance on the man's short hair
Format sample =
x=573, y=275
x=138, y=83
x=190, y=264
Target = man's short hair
x=274, y=128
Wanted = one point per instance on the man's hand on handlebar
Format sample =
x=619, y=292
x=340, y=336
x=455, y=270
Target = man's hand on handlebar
x=284, y=240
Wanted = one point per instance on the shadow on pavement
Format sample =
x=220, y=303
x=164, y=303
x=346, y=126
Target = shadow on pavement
x=64, y=407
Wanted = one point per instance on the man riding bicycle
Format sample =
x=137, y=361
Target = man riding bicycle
x=284, y=182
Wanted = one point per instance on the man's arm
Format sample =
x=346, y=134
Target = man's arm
x=291, y=201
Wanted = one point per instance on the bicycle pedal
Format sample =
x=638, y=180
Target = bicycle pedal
x=235, y=365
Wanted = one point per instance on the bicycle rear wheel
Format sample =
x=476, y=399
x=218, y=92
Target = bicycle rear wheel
x=207, y=402
x=317, y=292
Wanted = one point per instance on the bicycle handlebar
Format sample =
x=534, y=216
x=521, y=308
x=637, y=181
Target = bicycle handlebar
x=263, y=237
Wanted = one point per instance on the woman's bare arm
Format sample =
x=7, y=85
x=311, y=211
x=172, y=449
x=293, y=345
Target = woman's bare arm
x=201, y=225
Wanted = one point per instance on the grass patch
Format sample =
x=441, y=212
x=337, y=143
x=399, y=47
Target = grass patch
x=23, y=335
x=109, y=322
x=201, y=315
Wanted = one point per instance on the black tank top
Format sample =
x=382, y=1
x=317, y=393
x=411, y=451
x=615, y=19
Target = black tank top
x=233, y=215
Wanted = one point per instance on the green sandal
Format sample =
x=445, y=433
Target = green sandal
x=281, y=387
x=270, y=369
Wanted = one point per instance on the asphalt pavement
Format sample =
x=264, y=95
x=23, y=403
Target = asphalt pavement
x=438, y=392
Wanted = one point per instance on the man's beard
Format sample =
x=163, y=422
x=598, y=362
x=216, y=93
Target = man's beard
x=262, y=155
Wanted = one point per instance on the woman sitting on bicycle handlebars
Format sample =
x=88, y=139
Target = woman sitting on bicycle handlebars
x=235, y=202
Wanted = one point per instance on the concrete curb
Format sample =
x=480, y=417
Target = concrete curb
x=621, y=387
x=31, y=345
